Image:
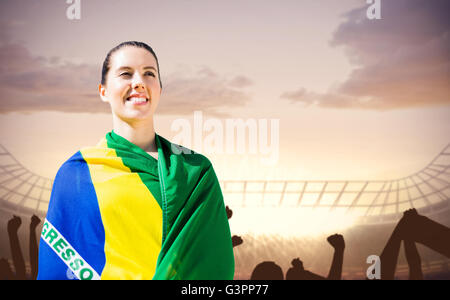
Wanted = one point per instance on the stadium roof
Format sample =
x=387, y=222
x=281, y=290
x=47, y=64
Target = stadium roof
x=23, y=192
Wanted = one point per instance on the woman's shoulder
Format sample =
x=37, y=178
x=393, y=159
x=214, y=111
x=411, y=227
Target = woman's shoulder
x=78, y=159
x=74, y=159
x=72, y=166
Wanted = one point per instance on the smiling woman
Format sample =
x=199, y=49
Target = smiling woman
x=131, y=84
x=131, y=207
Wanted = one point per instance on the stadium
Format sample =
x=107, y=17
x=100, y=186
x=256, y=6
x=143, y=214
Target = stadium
x=282, y=220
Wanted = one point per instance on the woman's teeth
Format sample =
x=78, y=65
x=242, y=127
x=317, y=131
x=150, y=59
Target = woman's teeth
x=137, y=100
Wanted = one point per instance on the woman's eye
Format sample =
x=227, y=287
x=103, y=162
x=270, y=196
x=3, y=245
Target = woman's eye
x=127, y=74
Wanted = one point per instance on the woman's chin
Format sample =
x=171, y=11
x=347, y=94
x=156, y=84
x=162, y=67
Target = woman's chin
x=131, y=116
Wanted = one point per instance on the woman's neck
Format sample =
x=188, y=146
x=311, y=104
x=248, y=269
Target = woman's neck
x=141, y=134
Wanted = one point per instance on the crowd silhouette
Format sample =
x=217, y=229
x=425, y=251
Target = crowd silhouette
x=411, y=229
x=20, y=273
x=269, y=270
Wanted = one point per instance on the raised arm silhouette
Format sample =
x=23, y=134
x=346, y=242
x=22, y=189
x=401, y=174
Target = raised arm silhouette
x=337, y=242
x=410, y=229
x=423, y=230
x=16, y=252
x=19, y=264
x=297, y=272
x=34, y=246
x=414, y=261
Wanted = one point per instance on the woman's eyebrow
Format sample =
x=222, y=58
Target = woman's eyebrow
x=129, y=68
x=150, y=67
x=123, y=68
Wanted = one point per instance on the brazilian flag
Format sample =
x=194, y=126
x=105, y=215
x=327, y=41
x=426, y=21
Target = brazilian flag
x=116, y=212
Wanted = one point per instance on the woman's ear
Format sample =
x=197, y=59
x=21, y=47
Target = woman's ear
x=102, y=93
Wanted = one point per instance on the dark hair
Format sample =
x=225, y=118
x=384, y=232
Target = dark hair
x=105, y=68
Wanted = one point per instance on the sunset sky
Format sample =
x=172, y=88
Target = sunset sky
x=355, y=98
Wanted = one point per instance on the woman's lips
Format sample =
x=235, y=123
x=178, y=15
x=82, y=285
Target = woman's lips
x=137, y=100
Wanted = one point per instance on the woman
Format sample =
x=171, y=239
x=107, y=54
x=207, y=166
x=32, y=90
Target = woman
x=135, y=206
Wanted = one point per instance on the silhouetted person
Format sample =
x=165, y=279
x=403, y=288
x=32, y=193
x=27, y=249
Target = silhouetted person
x=235, y=239
x=267, y=270
x=19, y=264
x=34, y=247
x=413, y=228
x=297, y=272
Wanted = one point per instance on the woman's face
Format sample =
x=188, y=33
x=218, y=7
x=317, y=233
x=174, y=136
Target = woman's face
x=132, y=85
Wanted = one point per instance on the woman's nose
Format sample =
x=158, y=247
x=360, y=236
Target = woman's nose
x=139, y=87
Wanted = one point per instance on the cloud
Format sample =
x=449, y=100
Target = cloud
x=29, y=83
x=300, y=95
x=34, y=83
x=240, y=82
x=184, y=92
x=401, y=61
